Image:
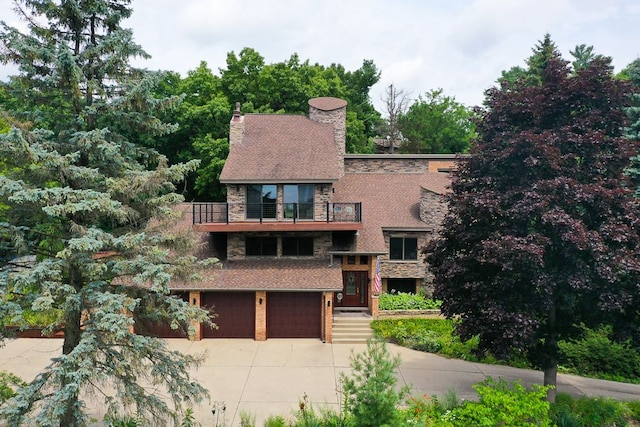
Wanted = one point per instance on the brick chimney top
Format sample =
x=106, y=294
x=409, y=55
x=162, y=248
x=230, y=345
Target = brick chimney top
x=236, y=112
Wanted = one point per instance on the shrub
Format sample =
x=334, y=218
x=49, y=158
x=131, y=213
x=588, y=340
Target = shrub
x=407, y=301
x=421, y=411
x=370, y=393
x=589, y=411
x=634, y=410
x=432, y=335
x=275, y=421
x=502, y=404
x=8, y=384
x=597, y=356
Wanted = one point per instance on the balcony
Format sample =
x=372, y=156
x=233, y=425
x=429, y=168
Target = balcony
x=228, y=217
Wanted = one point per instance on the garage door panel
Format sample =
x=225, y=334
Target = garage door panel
x=161, y=329
x=234, y=314
x=293, y=315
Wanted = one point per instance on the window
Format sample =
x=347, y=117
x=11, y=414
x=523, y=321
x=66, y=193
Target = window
x=261, y=246
x=403, y=248
x=401, y=285
x=298, y=201
x=261, y=201
x=297, y=246
x=364, y=260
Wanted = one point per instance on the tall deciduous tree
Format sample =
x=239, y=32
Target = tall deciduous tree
x=541, y=233
x=436, y=123
x=396, y=102
x=93, y=211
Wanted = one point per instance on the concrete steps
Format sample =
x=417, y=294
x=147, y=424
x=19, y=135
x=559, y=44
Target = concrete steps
x=351, y=329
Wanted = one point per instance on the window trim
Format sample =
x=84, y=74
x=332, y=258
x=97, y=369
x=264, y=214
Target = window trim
x=404, y=248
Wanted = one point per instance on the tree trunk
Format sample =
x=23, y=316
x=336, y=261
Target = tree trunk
x=551, y=378
x=72, y=335
x=550, y=364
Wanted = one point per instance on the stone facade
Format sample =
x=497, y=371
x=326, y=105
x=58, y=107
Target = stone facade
x=398, y=163
x=432, y=208
x=237, y=200
x=236, y=248
x=236, y=128
x=338, y=118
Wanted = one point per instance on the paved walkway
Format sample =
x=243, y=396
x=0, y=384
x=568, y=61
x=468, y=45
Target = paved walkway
x=270, y=377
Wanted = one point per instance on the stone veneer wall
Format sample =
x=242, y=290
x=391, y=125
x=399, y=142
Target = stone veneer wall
x=432, y=208
x=417, y=269
x=338, y=118
x=385, y=165
x=236, y=244
x=396, y=163
x=236, y=127
x=237, y=199
x=398, y=269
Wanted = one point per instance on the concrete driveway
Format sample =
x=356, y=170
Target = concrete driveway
x=271, y=377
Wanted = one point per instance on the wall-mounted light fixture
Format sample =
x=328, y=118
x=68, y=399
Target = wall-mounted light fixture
x=260, y=301
x=329, y=303
x=194, y=301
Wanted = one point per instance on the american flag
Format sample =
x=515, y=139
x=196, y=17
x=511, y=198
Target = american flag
x=377, y=281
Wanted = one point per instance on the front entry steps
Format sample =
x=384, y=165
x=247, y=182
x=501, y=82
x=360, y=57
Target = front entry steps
x=351, y=327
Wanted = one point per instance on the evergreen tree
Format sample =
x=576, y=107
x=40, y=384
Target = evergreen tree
x=541, y=233
x=517, y=76
x=632, y=73
x=90, y=218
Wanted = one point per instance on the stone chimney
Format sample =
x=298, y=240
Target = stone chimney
x=334, y=111
x=236, y=129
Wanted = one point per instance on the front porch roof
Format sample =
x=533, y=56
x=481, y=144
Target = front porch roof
x=280, y=274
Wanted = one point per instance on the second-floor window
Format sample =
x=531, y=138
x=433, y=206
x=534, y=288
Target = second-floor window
x=403, y=248
x=297, y=246
x=298, y=201
x=261, y=201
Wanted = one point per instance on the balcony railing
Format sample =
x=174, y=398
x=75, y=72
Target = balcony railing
x=226, y=213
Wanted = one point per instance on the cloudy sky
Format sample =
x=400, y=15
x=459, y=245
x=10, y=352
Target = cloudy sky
x=460, y=46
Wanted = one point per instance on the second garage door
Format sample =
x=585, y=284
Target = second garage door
x=236, y=314
x=293, y=314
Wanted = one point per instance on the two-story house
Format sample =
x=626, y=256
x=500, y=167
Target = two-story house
x=305, y=225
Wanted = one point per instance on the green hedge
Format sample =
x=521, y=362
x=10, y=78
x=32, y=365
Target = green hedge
x=407, y=301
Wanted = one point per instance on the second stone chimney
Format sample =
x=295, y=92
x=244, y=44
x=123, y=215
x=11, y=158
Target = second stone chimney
x=333, y=111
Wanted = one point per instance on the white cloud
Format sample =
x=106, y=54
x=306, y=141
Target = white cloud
x=460, y=46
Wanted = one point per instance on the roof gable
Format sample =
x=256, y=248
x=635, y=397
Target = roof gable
x=283, y=148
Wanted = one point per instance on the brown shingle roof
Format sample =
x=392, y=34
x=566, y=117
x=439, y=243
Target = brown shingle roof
x=271, y=275
x=283, y=148
x=388, y=201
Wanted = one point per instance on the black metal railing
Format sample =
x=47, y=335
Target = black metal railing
x=226, y=212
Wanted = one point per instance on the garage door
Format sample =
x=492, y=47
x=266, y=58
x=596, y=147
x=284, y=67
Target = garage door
x=236, y=314
x=293, y=314
x=149, y=328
